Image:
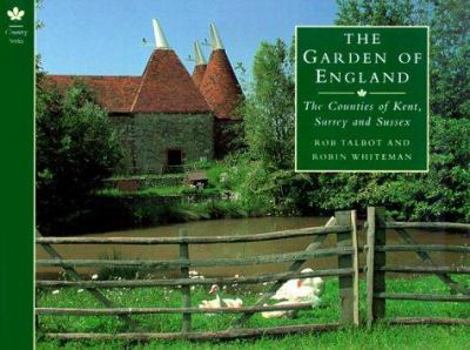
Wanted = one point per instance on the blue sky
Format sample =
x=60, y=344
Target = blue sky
x=104, y=36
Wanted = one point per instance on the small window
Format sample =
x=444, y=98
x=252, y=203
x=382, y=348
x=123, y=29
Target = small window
x=174, y=157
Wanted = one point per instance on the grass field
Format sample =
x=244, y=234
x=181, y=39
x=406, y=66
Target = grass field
x=381, y=336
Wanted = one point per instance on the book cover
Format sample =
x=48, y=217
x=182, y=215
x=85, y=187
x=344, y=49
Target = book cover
x=251, y=174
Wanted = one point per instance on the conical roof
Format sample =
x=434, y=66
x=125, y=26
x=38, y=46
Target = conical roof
x=198, y=74
x=200, y=64
x=167, y=87
x=220, y=86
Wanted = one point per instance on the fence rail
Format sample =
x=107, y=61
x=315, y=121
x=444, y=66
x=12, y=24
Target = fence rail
x=428, y=320
x=165, y=310
x=191, y=282
x=424, y=269
x=423, y=248
x=222, y=335
x=427, y=225
x=171, y=264
x=423, y=297
x=303, y=232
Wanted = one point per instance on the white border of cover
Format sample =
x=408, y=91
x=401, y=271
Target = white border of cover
x=427, y=100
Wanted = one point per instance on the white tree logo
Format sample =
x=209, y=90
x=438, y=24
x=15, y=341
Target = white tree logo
x=15, y=14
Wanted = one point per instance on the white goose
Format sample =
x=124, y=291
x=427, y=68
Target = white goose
x=304, y=296
x=279, y=313
x=289, y=290
x=305, y=290
x=219, y=302
x=316, y=283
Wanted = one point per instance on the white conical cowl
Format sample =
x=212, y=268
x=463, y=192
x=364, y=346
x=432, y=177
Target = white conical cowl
x=216, y=41
x=160, y=39
x=198, y=55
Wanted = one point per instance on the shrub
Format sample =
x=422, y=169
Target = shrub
x=76, y=148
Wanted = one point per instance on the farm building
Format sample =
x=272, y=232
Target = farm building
x=167, y=118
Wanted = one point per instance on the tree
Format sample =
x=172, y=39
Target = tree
x=76, y=148
x=376, y=12
x=269, y=107
x=450, y=83
x=450, y=49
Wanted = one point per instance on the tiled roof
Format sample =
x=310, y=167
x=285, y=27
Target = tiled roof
x=167, y=87
x=220, y=86
x=114, y=93
x=198, y=74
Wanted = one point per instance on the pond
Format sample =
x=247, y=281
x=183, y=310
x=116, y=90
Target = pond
x=244, y=227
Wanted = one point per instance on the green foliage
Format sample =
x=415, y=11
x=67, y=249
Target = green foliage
x=450, y=63
x=224, y=209
x=183, y=212
x=216, y=174
x=269, y=106
x=148, y=181
x=442, y=194
x=164, y=191
x=450, y=46
x=376, y=12
x=75, y=150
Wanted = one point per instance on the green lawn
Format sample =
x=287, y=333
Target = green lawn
x=381, y=336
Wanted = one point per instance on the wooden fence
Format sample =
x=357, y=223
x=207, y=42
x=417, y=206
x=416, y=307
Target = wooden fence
x=343, y=225
x=377, y=250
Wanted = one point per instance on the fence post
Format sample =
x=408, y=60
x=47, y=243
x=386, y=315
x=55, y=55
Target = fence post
x=378, y=305
x=355, y=267
x=185, y=289
x=346, y=292
x=370, y=264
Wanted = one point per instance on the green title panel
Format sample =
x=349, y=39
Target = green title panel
x=16, y=152
x=362, y=99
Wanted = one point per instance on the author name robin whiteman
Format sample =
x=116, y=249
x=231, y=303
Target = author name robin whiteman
x=363, y=156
